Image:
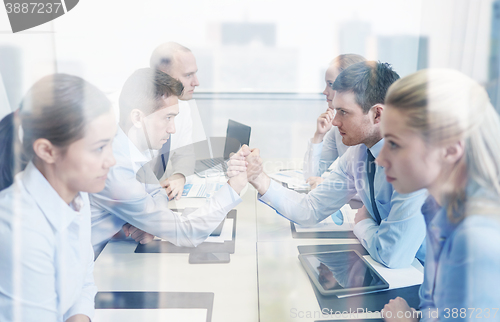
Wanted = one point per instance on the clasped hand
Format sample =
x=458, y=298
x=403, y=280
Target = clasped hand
x=246, y=161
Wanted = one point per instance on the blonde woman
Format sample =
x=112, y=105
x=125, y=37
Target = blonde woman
x=441, y=133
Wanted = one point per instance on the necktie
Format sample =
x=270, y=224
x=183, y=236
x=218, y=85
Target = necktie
x=370, y=170
x=162, y=159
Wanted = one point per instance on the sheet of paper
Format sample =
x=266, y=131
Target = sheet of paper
x=293, y=178
x=329, y=225
x=396, y=277
x=198, y=190
x=226, y=233
x=129, y=315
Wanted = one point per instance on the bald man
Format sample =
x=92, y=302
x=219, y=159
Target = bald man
x=180, y=63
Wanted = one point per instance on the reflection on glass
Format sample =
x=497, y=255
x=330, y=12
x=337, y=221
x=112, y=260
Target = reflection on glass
x=342, y=270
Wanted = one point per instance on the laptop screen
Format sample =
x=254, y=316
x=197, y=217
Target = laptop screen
x=237, y=135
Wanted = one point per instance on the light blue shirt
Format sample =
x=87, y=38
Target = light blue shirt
x=462, y=266
x=400, y=236
x=46, y=259
x=320, y=156
x=134, y=195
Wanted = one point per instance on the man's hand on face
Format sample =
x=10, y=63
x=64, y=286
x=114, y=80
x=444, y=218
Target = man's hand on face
x=323, y=125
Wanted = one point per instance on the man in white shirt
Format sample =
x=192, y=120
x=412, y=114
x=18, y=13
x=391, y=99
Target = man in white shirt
x=180, y=63
x=133, y=197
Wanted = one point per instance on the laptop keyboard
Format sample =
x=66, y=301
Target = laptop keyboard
x=212, y=162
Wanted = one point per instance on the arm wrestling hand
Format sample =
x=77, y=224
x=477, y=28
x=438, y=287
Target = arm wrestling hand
x=237, y=170
x=236, y=164
x=255, y=172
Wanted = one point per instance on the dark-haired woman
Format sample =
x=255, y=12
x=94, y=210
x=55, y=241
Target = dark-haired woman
x=46, y=258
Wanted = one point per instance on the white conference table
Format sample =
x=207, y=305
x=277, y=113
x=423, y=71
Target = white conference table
x=234, y=284
x=264, y=280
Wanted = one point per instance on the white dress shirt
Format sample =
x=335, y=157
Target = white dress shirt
x=188, y=130
x=182, y=157
x=143, y=203
x=46, y=259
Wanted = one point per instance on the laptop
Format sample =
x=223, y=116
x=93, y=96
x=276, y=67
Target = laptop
x=237, y=134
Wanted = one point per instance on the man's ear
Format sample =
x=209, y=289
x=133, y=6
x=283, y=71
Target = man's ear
x=136, y=116
x=377, y=111
x=454, y=152
x=45, y=150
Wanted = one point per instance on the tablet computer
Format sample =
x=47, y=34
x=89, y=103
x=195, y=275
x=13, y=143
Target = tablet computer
x=218, y=230
x=341, y=272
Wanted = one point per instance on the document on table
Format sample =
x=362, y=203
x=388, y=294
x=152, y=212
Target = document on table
x=134, y=315
x=346, y=223
x=396, y=277
x=225, y=235
x=199, y=190
x=293, y=178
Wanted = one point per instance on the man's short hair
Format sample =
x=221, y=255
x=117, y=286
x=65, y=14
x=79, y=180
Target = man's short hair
x=368, y=81
x=145, y=90
x=164, y=55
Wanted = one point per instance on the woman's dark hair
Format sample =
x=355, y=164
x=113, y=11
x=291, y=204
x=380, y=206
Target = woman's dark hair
x=57, y=108
x=7, y=155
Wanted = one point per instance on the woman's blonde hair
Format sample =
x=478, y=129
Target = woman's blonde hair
x=446, y=106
